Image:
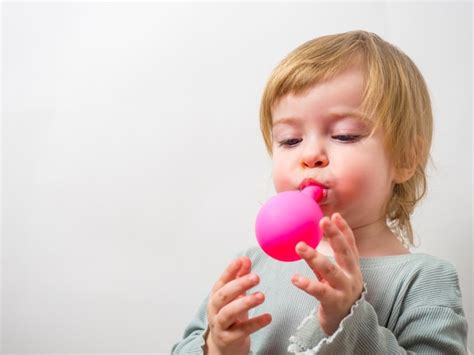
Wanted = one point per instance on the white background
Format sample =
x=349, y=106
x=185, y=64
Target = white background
x=133, y=166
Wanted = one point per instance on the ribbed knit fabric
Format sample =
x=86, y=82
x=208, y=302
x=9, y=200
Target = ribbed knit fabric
x=410, y=304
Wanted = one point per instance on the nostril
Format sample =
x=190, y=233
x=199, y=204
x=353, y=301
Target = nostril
x=316, y=163
x=321, y=163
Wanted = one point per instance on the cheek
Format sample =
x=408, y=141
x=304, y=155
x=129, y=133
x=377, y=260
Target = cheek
x=281, y=175
x=352, y=182
x=366, y=179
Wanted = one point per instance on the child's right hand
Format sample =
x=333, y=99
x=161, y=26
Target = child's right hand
x=227, y=310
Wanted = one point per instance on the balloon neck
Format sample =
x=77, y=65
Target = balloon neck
x=315, y=192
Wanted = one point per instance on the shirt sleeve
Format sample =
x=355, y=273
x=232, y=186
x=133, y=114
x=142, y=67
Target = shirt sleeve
x=430, y=327
x=194, y=337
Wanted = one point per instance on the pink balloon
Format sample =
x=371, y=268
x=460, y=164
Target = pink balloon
x=288, y=218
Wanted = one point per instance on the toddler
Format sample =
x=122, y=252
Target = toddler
x=350, y=113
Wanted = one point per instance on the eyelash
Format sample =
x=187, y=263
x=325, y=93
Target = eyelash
x=344, y=138
x=352, y=137
x=287, y=142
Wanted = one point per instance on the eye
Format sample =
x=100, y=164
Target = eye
x=346, y=138
x=290, y=142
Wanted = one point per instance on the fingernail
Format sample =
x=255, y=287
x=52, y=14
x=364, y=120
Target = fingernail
x=253, y=278
x=296, y=278
x=302, y=246
x=259, y=296
x=323, y=223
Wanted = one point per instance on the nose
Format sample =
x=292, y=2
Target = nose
x=314, y=157
x=319, y=162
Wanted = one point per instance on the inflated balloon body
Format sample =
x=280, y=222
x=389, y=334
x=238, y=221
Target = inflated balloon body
x=288, y=218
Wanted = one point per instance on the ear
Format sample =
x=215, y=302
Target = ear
x=407, y=165
x=403, y=174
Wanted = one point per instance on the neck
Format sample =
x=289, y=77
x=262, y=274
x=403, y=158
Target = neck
x=374, y=239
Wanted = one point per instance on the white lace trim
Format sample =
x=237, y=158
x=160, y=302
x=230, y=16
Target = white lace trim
x=300, y=347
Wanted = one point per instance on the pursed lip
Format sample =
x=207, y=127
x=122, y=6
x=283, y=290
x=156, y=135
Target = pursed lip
x=311, y=182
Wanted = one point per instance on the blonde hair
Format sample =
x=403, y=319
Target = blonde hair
x=395, y=98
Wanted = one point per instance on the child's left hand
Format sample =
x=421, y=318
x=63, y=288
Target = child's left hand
x=340, y=284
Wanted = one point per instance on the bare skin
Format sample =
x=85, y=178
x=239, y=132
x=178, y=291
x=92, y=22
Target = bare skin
x=228, y=306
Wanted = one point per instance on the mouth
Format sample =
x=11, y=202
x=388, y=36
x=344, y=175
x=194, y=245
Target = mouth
x=311, y=182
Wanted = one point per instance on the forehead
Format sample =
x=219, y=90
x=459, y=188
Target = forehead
x=339, y=96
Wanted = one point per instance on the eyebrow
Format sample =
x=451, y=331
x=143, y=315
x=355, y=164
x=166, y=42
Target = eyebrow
x=337, y=115
x=286, y=120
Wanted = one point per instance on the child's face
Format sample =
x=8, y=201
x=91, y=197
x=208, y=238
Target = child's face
x=328, y=142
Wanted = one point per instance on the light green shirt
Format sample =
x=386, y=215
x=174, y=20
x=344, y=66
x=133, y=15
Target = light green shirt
x=410, y=304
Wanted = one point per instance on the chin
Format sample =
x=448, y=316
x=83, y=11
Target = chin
x=327, y=210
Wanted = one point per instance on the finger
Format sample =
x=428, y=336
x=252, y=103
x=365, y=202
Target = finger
x=229, y=274
x=321, y=264
x=232, y=290
x=245, y=266
x=314, y=288
x=244, y=329
x=347, y=232
x=243, y=316
x=342, y=251
x=238, y=309
x=353, y=265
